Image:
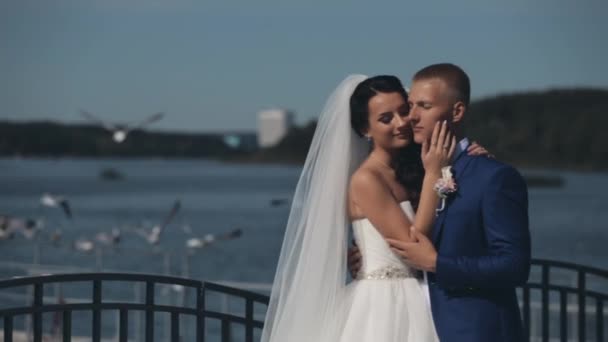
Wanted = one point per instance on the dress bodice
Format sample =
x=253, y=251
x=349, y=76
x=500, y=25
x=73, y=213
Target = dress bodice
x=378, y=260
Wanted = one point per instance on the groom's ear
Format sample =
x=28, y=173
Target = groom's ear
x=458, y=111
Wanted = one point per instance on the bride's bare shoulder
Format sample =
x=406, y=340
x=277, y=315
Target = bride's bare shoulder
x=365, y=180
x=363, y=183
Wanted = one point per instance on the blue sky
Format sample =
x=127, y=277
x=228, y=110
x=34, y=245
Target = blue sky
x=212, y=66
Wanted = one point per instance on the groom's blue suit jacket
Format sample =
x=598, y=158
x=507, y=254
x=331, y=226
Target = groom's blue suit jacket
x=483, y=244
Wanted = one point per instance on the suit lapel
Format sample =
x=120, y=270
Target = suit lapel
x=458, y=170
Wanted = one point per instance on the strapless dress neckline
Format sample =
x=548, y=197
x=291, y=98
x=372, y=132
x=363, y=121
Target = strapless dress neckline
x=406, y=209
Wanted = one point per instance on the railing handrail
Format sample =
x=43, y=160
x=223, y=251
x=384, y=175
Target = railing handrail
x=567, y=290
x=572, y=266
x=95, y=306
x=257, y=297
x=157, y=278
x=99, y=276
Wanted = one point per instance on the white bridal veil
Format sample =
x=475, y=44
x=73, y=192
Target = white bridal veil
x=306, y=299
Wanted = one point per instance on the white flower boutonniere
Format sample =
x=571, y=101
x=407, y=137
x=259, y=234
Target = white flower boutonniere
x=445, y=186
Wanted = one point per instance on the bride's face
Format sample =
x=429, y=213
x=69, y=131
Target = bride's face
x=389, y=125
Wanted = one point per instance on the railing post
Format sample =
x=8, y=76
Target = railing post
x=174, y=327
x=248, y=320
x=599, y=320
x=66, y=329
x=563, y=315
x=582, y=325
x=200, y=313
x=226, y=333
x=37, y=316
x=149, y=311
x=96, y=311
x=123, y=329
x=545, y=303
x=8, y=328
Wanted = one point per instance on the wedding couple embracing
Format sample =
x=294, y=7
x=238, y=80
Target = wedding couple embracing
x=440, y=227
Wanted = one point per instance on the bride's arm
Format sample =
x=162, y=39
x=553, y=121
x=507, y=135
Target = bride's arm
x=425, y=215
x=373, y=196
x=434, y=157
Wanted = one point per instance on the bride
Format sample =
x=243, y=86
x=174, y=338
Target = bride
x=343, y=184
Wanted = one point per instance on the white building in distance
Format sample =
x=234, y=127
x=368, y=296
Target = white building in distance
x=273, y=125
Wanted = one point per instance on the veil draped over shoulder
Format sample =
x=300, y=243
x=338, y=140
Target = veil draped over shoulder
x=307, y=293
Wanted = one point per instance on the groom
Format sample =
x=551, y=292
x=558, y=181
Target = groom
x=479, y=251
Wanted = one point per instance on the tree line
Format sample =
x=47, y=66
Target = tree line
x=559, y=128
x=50, y=139
x=562, y=128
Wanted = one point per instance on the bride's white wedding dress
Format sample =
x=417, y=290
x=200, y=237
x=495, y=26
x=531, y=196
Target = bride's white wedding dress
x=386, y=303
x=309, y=301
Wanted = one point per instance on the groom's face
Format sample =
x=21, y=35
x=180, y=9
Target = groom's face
x=430, y=102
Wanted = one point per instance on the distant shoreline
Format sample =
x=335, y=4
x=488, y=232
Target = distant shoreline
x=528, y=169
x=560, y=129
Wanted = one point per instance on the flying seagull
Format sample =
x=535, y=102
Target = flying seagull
x=153, y=236
x=9, y=225
x=120, y=131
x=83, y=245
x=210, y=238
x=54, y=201
x=111, y=239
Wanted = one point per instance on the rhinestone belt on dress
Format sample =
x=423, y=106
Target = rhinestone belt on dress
x=388, y=272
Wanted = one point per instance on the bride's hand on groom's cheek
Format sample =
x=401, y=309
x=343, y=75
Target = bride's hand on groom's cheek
x=420, y=254
x=439, y=150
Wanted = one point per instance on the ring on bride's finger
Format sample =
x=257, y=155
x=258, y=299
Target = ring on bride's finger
x=446, y=146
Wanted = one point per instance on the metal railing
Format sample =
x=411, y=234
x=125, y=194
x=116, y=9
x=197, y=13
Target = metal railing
x=567, y=301
x=561, y=302
x=97, y=305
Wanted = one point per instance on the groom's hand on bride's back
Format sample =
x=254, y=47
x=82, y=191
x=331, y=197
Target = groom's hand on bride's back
x=354, y=260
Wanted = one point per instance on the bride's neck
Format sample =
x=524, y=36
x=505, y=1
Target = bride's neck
x=384, y=157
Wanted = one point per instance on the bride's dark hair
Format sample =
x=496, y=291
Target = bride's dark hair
x=409, y=169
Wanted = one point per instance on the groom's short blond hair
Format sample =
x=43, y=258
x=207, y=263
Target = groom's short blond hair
x=452, y=75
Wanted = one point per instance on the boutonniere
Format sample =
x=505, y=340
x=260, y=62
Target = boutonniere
x=445, y=186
